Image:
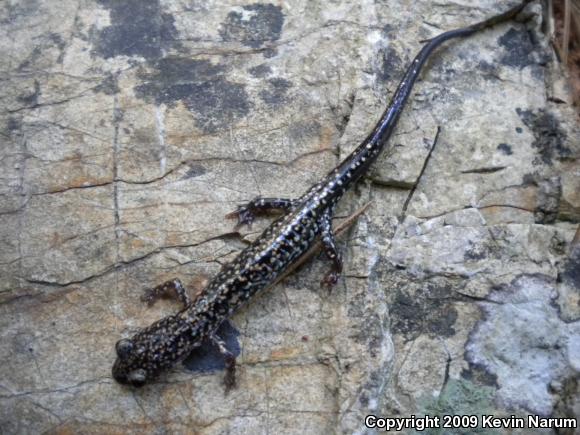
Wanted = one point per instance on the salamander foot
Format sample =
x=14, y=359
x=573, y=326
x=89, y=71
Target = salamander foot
x=173, y=287
x=259, y=206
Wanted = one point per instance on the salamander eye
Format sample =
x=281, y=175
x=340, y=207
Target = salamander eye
x=124, y=347
x=137, y=377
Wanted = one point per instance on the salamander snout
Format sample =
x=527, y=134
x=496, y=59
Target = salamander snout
x=124, y=370
x=135, y=378
x=141, y=358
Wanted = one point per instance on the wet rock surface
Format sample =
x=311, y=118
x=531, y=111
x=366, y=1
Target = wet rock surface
x=129, y=129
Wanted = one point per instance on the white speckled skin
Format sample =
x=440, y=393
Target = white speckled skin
x=171, y=339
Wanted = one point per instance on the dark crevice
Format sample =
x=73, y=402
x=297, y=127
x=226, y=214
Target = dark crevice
x=464, y=296
x=124, y=263
x=343, y=117
x=423, y=169
x=488, y=170
x=446, y=375
x=116, y=179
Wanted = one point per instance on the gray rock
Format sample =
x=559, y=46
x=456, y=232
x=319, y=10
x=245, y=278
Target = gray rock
x=129, y=129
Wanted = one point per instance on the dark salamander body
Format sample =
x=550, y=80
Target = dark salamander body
x=158, y=347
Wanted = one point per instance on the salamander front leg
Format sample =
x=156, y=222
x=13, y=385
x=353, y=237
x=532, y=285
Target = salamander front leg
x=167, y=288
x=248, y=212
x=331, y=251
x=230, y=360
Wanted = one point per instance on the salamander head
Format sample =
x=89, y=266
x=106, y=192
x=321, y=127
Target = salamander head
x=130, y=367
x=144, y=356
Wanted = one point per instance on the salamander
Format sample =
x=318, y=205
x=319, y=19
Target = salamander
x=304, y=221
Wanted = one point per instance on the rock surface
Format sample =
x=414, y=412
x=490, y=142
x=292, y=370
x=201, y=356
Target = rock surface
x=129, y=129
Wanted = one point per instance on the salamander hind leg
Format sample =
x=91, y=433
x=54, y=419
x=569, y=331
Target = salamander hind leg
x=171, y=287
x=331, y=251
x=248, y=212
x=230, y=360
